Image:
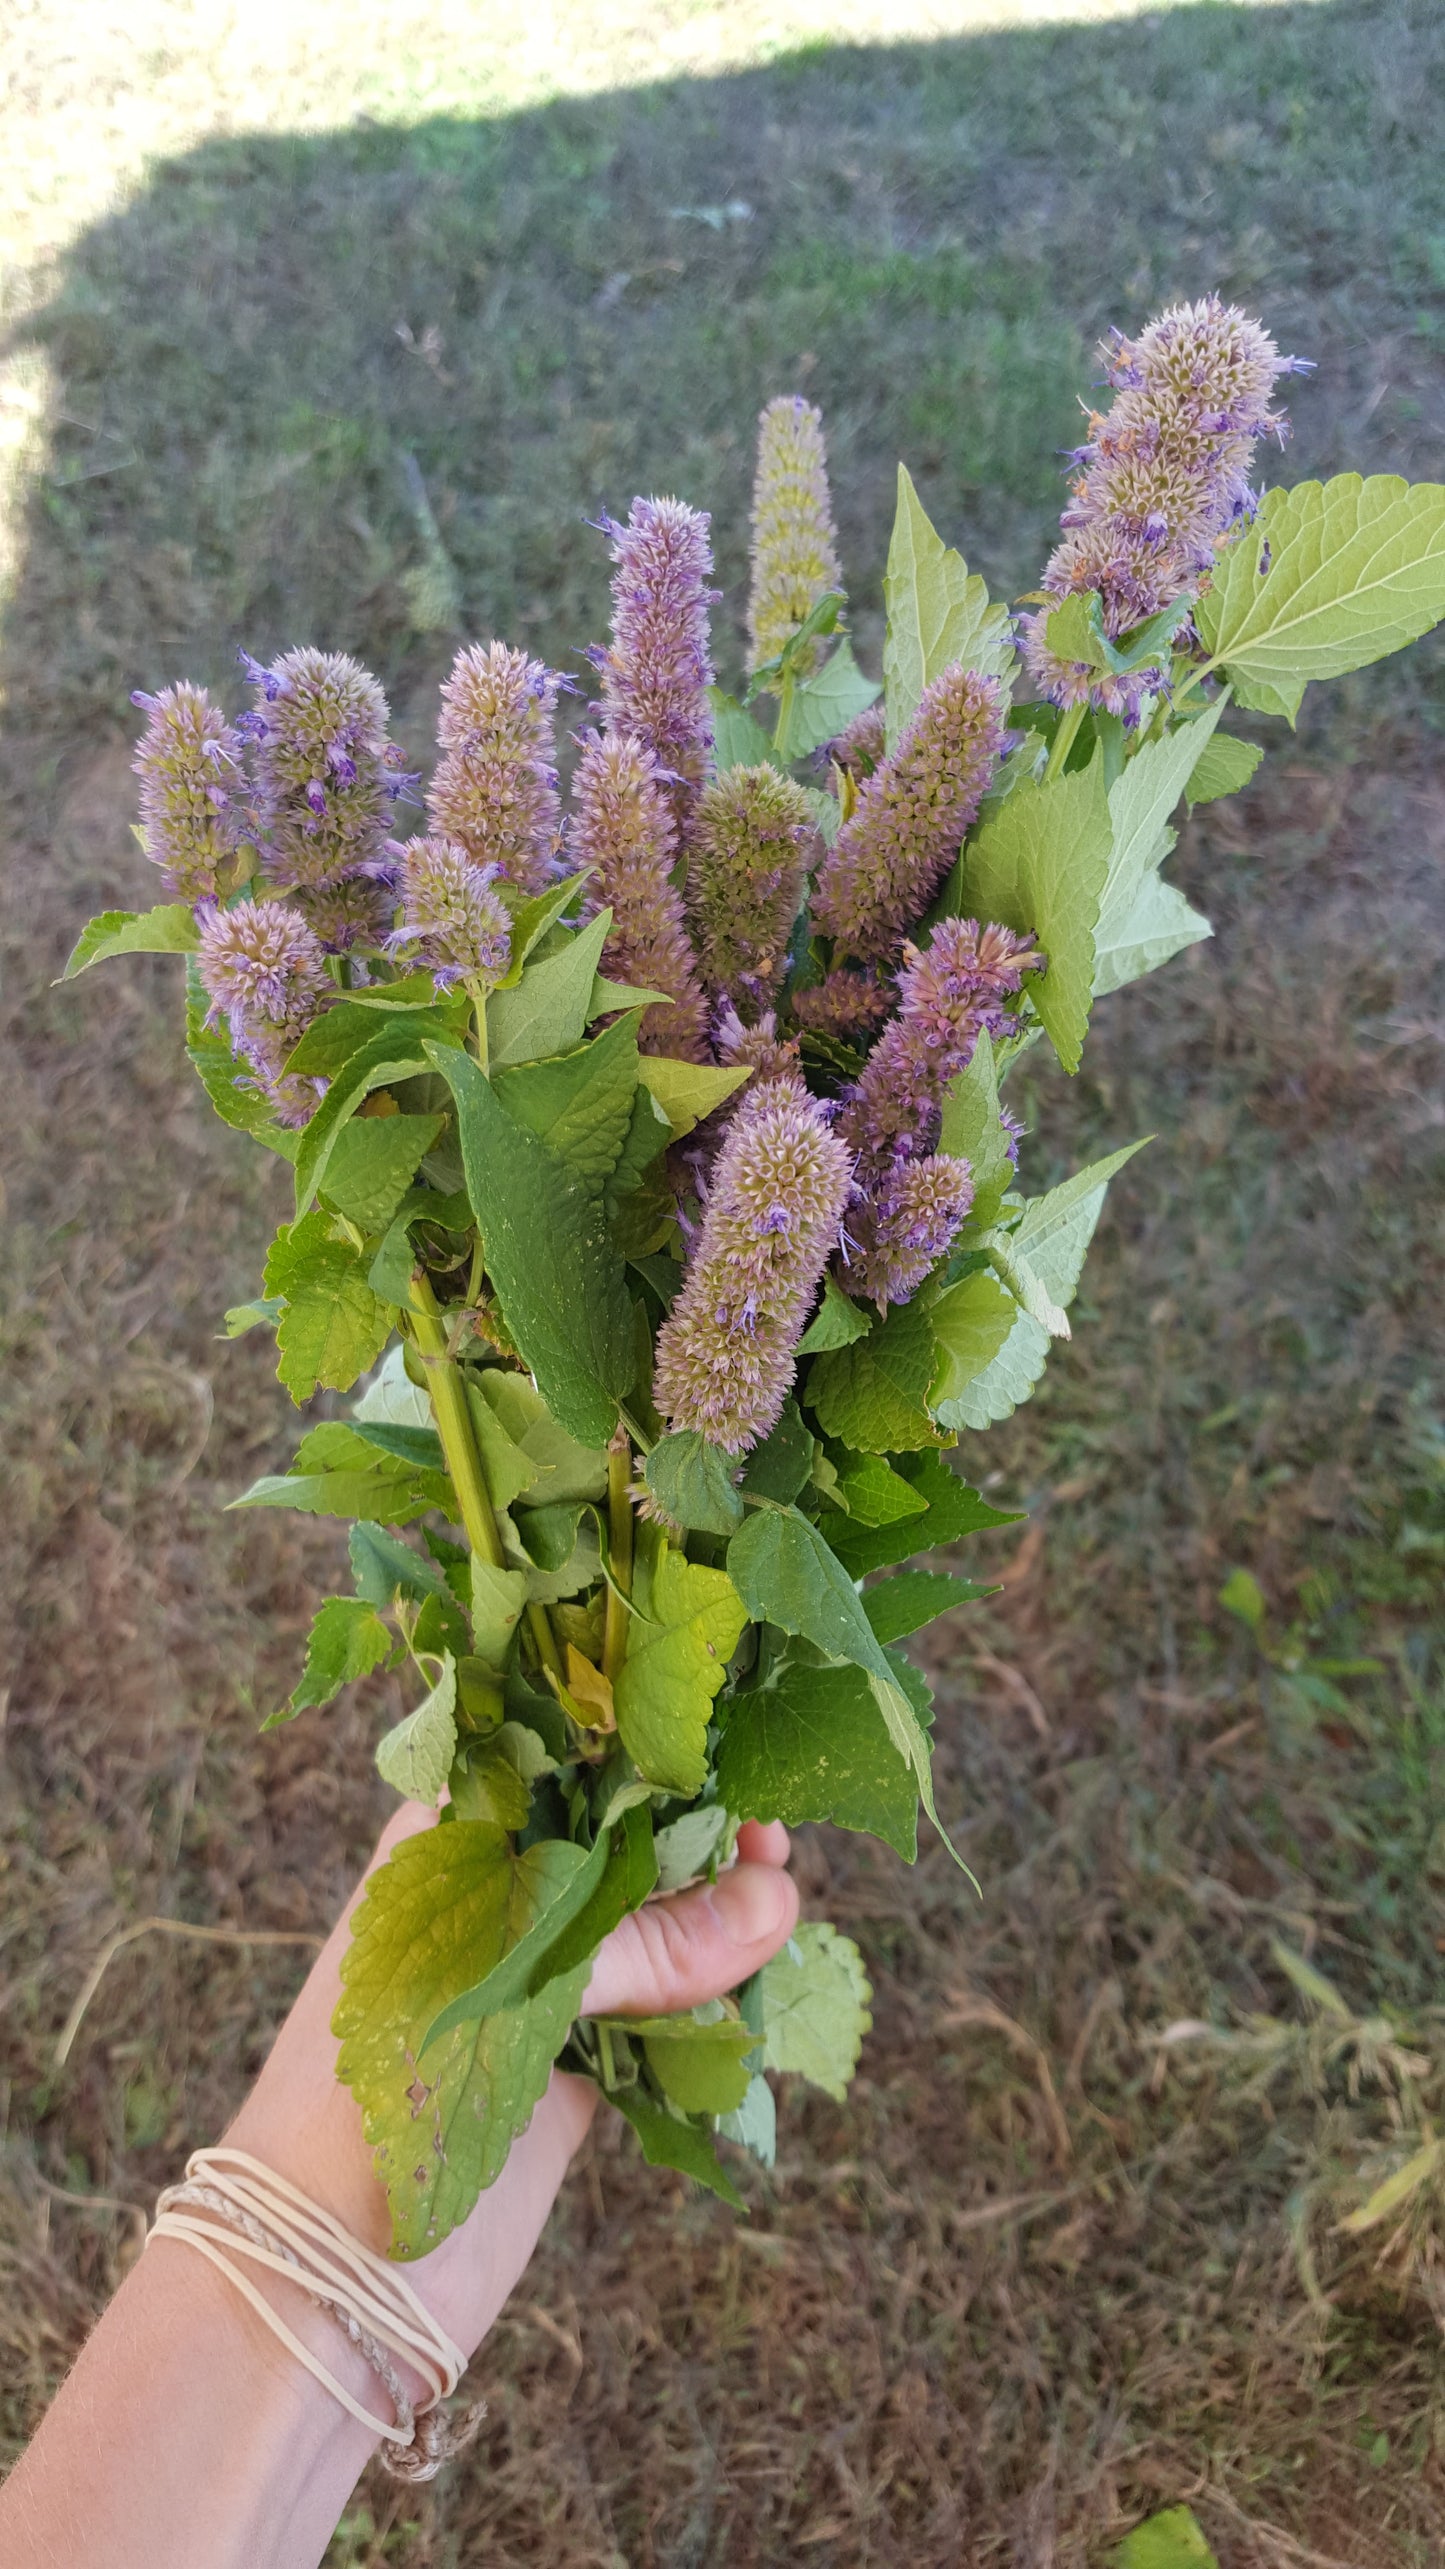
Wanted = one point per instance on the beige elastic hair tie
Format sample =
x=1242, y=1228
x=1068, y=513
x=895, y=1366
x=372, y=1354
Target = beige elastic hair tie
x=232, y=2208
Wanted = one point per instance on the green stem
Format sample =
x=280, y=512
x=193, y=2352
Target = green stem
x=785, y=714
x=619, y=1544
x=605, y=2061
x=1064, y=739
x=545, y=1639
x=448, y=1396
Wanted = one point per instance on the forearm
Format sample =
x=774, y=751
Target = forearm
x=188, y=2437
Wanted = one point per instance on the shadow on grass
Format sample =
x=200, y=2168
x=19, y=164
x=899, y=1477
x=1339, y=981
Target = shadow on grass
x=546, y=313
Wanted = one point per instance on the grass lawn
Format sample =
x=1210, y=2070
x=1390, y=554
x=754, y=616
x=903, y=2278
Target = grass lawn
x=326, y=333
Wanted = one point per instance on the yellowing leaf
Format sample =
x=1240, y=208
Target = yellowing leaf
x=447, y=1907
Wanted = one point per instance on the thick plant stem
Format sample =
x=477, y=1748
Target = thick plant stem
x=1064, y=739
x=447, y=1393
x=619, y=1541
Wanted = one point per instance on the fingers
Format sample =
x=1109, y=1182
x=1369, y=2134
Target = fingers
x=764, y=1842
x=675, y=1953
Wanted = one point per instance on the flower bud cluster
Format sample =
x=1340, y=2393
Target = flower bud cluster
x=1163, y=480
x=495, y=789
x=746, y=872
x=912, y=1197
x=622, y=826
x=192, y=790
x=265, y=974
x=890, y=857
x=453, y=919
x=795, y=543
x=325, y=770
x=656, y=675
x=725, y=1353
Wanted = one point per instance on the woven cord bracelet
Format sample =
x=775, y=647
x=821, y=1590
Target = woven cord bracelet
x=232, y=2209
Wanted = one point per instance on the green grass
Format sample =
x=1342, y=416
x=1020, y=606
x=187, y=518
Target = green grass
x=1045, y=2272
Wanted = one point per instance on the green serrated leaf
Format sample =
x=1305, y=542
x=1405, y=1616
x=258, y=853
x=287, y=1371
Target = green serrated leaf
x=1356, y=569
x=499, y=1599
x=873, y=1395
x=738, y=739
x=373, y=1162
x=669, y=2142
x=822, y=706
x=525, y=1965
x=244, y=1316
x=693, y=1484
x=385, y=1568
x=1173, y=2540
x=415, y=1757
x=938, y=612
x=348, y=1640
x=1142, y=920
x=786, y=1574
x=1004, y=1383
x=873, y=1493
x=678, y=1648
x=387, y=1059
x=837, y=1322
x=560, y=1283
x=332, y=1040
x=779, y=1467
x=899, y=1606
x=1073, y=632
x=579, y=1103
x=972, y=1130
x=547, y=1012
x=448, y=1901
x=1054, y=1230
x=700, y=2067
x=228, y=1081
x=754, y=2124
x=333, y=1326
x=1041, y=864
x=168, y=929
x=1225, y=767
x=565, y=1468
x=339, y=1470
x=533, y=916
x=815, y=1996
x=952, y=1511
x=815, y=1746
x=687, y=1091
x=972, y=1323
x=627, y=1878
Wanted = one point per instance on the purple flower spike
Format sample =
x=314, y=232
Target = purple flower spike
x=746, y=873
x=325, y=715
x=264, y=972
x=356, y=911
x=453, y=921
x=656, y=675
x=192, y=790
x=889, y=859
x=725, y=1354
x=795, y=543
x=913, y=1197
x=1163, y=481
x=622, y=826
x=495, y=789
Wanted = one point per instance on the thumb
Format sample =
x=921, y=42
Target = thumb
x=675, y=1953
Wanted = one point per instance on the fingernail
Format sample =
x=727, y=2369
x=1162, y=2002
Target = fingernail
x=752, y=1902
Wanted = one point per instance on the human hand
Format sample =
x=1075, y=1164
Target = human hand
x=671, y=1955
